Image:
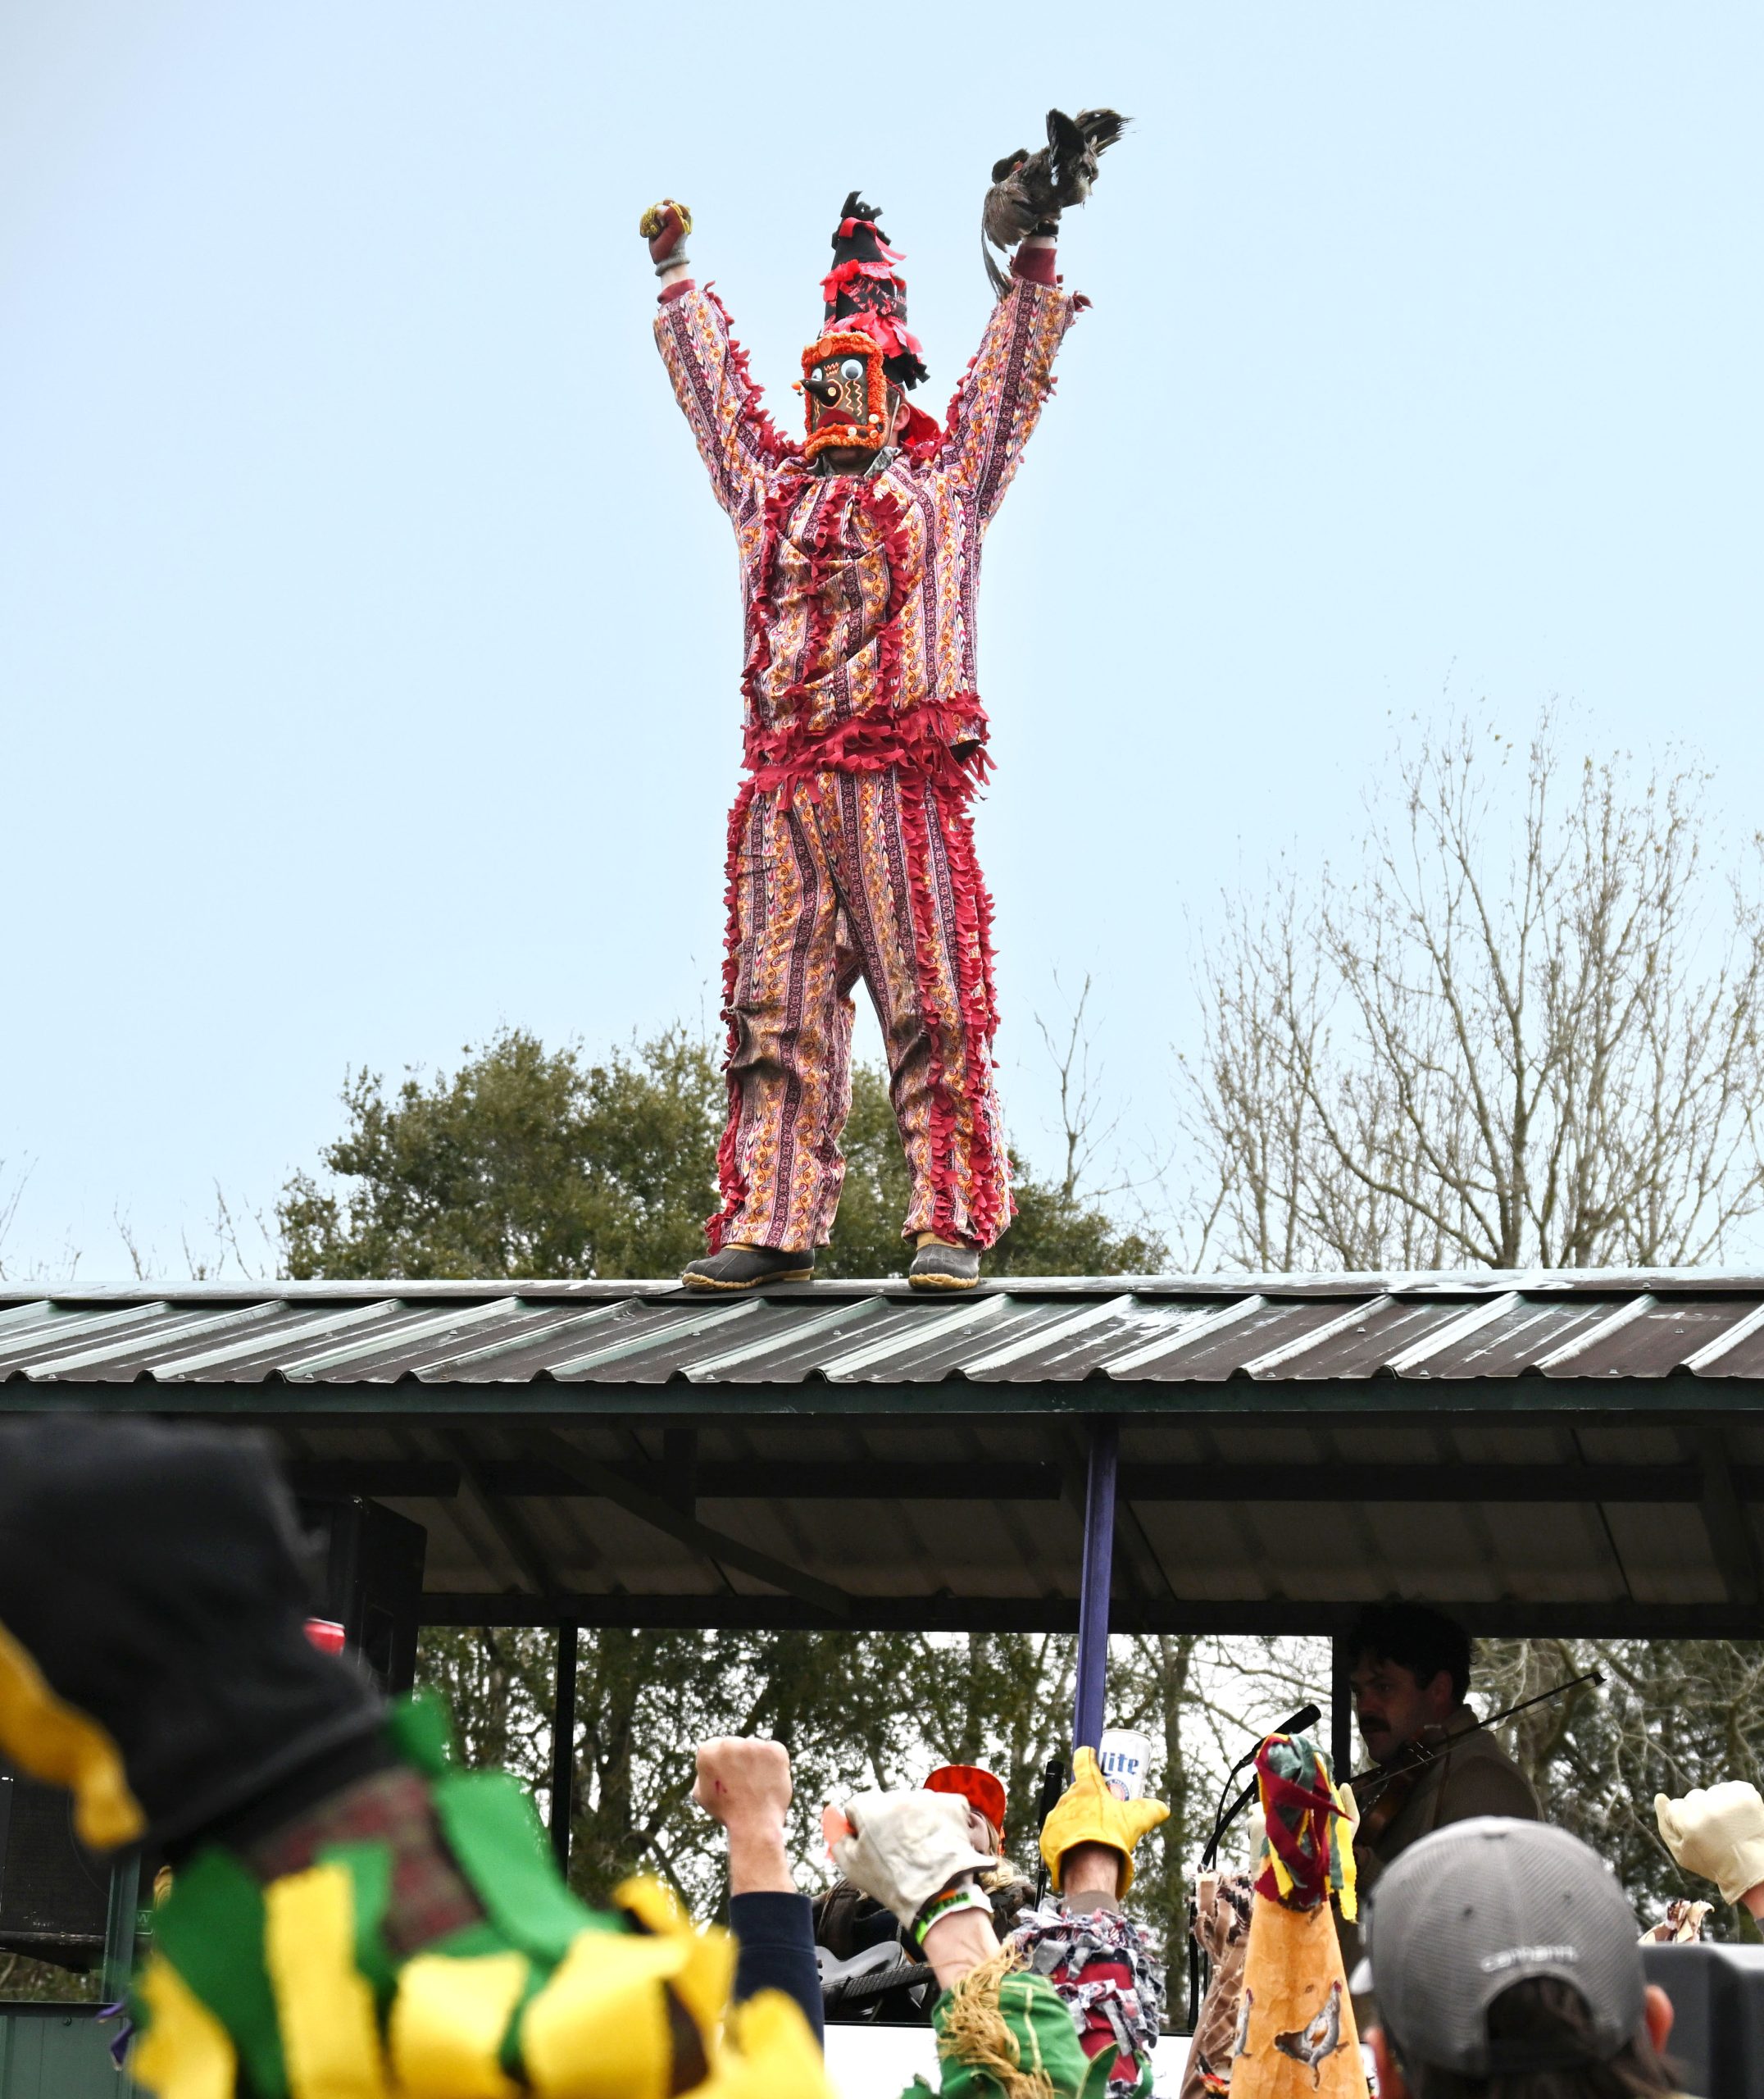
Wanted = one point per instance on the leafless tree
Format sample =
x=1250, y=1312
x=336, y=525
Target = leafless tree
x=1084, y=1131
x=226, y=1235
x=1525, y=1030
x=1094, y=1172
x=62, y=1267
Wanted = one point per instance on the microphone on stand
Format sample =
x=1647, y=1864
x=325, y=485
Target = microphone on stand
x=1053, y=1785
x=1306, y=1716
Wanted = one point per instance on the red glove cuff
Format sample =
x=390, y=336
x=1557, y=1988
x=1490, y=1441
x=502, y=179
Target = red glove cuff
x=673, y=290
x=1034, y=266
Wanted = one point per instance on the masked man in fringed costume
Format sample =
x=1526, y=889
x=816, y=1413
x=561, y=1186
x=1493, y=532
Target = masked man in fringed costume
x=351, y=1915
x=851, y=850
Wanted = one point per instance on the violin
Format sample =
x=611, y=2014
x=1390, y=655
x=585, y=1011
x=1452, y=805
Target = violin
x=1384, y=1791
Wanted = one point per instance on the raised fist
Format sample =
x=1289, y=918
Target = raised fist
x=743, y=1782
x=1716, y=1832
x=664, y=226
x=903, y=1848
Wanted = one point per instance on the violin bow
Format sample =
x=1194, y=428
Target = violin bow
x=1425, y=1757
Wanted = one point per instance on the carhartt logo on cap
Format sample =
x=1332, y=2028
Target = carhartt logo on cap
x=1522, y=1956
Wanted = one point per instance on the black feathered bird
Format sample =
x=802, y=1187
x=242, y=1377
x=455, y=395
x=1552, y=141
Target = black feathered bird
x=1028, y=188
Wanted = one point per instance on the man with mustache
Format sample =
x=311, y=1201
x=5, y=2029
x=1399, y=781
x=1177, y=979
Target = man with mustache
x=1411, y=1671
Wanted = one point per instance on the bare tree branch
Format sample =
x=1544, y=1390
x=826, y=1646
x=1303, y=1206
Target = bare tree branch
x=1526, y=1031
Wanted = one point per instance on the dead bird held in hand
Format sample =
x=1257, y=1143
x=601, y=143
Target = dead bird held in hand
x=1031, y=190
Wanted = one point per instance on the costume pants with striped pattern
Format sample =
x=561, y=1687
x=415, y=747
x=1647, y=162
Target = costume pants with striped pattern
x=835, y=876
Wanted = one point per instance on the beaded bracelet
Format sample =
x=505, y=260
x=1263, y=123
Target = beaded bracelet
x=946, y=1904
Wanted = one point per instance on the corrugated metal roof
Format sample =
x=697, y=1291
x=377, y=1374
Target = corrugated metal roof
x=1577, y=1451
x=1159, y=1330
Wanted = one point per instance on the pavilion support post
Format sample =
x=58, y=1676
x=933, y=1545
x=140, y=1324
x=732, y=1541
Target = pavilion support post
x=120, y=1913
x=1340, y=1707
x=1087, y=1715
x=563, y=1745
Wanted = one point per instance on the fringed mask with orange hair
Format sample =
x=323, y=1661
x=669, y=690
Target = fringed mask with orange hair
x=865, y=350
x=845, y=393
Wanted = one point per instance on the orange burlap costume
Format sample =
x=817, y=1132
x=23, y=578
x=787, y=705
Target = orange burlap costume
x=1296, y=2035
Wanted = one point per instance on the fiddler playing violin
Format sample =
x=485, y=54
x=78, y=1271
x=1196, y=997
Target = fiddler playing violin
x=1434, y=1761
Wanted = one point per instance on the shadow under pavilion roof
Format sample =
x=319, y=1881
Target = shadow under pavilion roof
x=1543, y=1452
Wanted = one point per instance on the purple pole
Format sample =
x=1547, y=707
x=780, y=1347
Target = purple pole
x=1093, y=1595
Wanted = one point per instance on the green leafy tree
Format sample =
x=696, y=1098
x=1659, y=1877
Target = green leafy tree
x=526, y=1162
x=529, y=1161
x=842, y=1704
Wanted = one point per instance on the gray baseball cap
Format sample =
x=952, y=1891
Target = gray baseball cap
x=1469, y=1911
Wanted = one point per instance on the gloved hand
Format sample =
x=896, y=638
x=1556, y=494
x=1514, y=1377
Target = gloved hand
x=1088, y=1812
x=901, y=1849
x=1718, y=1833
x=664, y=226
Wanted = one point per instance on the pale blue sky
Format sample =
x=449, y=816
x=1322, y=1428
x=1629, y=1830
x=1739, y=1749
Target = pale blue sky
x=368, y=639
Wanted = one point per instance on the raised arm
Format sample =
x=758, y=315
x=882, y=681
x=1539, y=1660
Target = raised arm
x=1000, y=398
x=709, y=369
x=744, y=1784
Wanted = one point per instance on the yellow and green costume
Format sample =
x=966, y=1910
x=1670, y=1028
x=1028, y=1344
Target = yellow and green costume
x=153, y=1660
x=288, y=1990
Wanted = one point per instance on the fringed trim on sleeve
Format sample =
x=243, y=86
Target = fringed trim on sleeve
x=974, y=2032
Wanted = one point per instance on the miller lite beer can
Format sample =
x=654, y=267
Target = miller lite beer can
x=1124, y=1757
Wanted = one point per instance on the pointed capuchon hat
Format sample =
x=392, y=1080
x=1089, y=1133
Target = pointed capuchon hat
x=865, y=293
x=853, y=371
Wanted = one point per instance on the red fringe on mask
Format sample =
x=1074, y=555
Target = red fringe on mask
x=848, y=228
x=852, y=267
x=884, y=329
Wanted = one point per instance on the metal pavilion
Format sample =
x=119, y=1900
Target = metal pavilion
x=1576, y=1453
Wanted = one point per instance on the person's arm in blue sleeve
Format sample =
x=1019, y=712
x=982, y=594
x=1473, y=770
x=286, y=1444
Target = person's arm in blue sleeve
x=745, y=1785
x=776, y=1933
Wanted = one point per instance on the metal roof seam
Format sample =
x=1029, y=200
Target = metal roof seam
x=1258, y=1365
x=955, y=1320
x=530, y=1338
x=254, y=1344
x=703, y=1315
x=709, y=1370
x=1742, y=1329
x=54, y=1366
x=1092, y=1315
x=1600, y=1330
x=1453, y=1331
x=1185, y=1328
